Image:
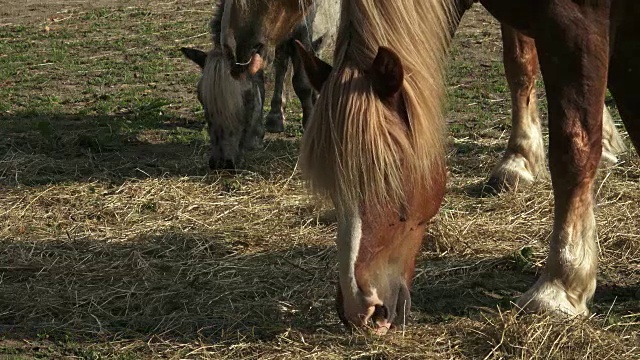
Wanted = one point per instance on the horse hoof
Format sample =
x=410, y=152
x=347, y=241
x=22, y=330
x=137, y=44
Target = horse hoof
x=274, y=123
x=608, y=158
x=547, y=297
x=494, y=186
x=504, y=182
x=510, y=173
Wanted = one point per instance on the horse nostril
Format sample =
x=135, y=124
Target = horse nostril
x=380, y=314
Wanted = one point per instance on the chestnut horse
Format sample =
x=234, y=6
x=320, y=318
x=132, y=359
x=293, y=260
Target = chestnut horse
x=524, y=158
x=374, y=145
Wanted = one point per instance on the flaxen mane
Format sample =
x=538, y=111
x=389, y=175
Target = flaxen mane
x=355, y=150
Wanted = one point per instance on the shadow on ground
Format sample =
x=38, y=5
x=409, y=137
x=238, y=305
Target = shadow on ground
x=56, y=148
x=182, y=286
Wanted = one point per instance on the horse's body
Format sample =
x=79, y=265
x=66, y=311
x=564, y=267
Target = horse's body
x=524, y=157
x=374, y=144
x=583, y=47
x=314, y=29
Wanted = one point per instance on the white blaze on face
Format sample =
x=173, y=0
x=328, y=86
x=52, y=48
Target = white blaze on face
x=348, y=242
x=356, y=304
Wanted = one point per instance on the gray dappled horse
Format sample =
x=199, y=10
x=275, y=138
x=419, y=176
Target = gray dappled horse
x=232, y=105
x=232, y=108
x=232, y=92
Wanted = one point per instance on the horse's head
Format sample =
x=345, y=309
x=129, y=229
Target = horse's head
x=359, y=151
x=230, y=107
x=250, y=26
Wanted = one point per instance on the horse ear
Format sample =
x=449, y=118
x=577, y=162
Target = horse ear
x=197, y=56
x=317, y=70
x=387, y=73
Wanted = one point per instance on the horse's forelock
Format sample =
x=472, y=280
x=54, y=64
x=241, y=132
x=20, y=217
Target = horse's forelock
x=220, y=93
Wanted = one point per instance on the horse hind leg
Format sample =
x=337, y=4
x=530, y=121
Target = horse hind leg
x=275, y=119
x=568, y=280
x=301, y=85
x=524, y=157
x=624, y=71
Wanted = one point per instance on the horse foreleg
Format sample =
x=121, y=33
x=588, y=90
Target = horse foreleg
x=524, y=158
x=302, y=86
x=275, y=118
x=253, y=130
x=573, y=48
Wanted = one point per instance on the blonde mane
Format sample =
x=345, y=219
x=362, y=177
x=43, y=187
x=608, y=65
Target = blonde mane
x=221, y=94
x=355, y=150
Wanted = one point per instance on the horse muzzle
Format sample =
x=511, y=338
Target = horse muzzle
x=379, y=314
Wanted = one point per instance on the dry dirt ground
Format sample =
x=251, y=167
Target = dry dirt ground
x=117, y=242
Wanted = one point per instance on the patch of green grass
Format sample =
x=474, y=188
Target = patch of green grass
x=188, y=136
x=523, y=259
